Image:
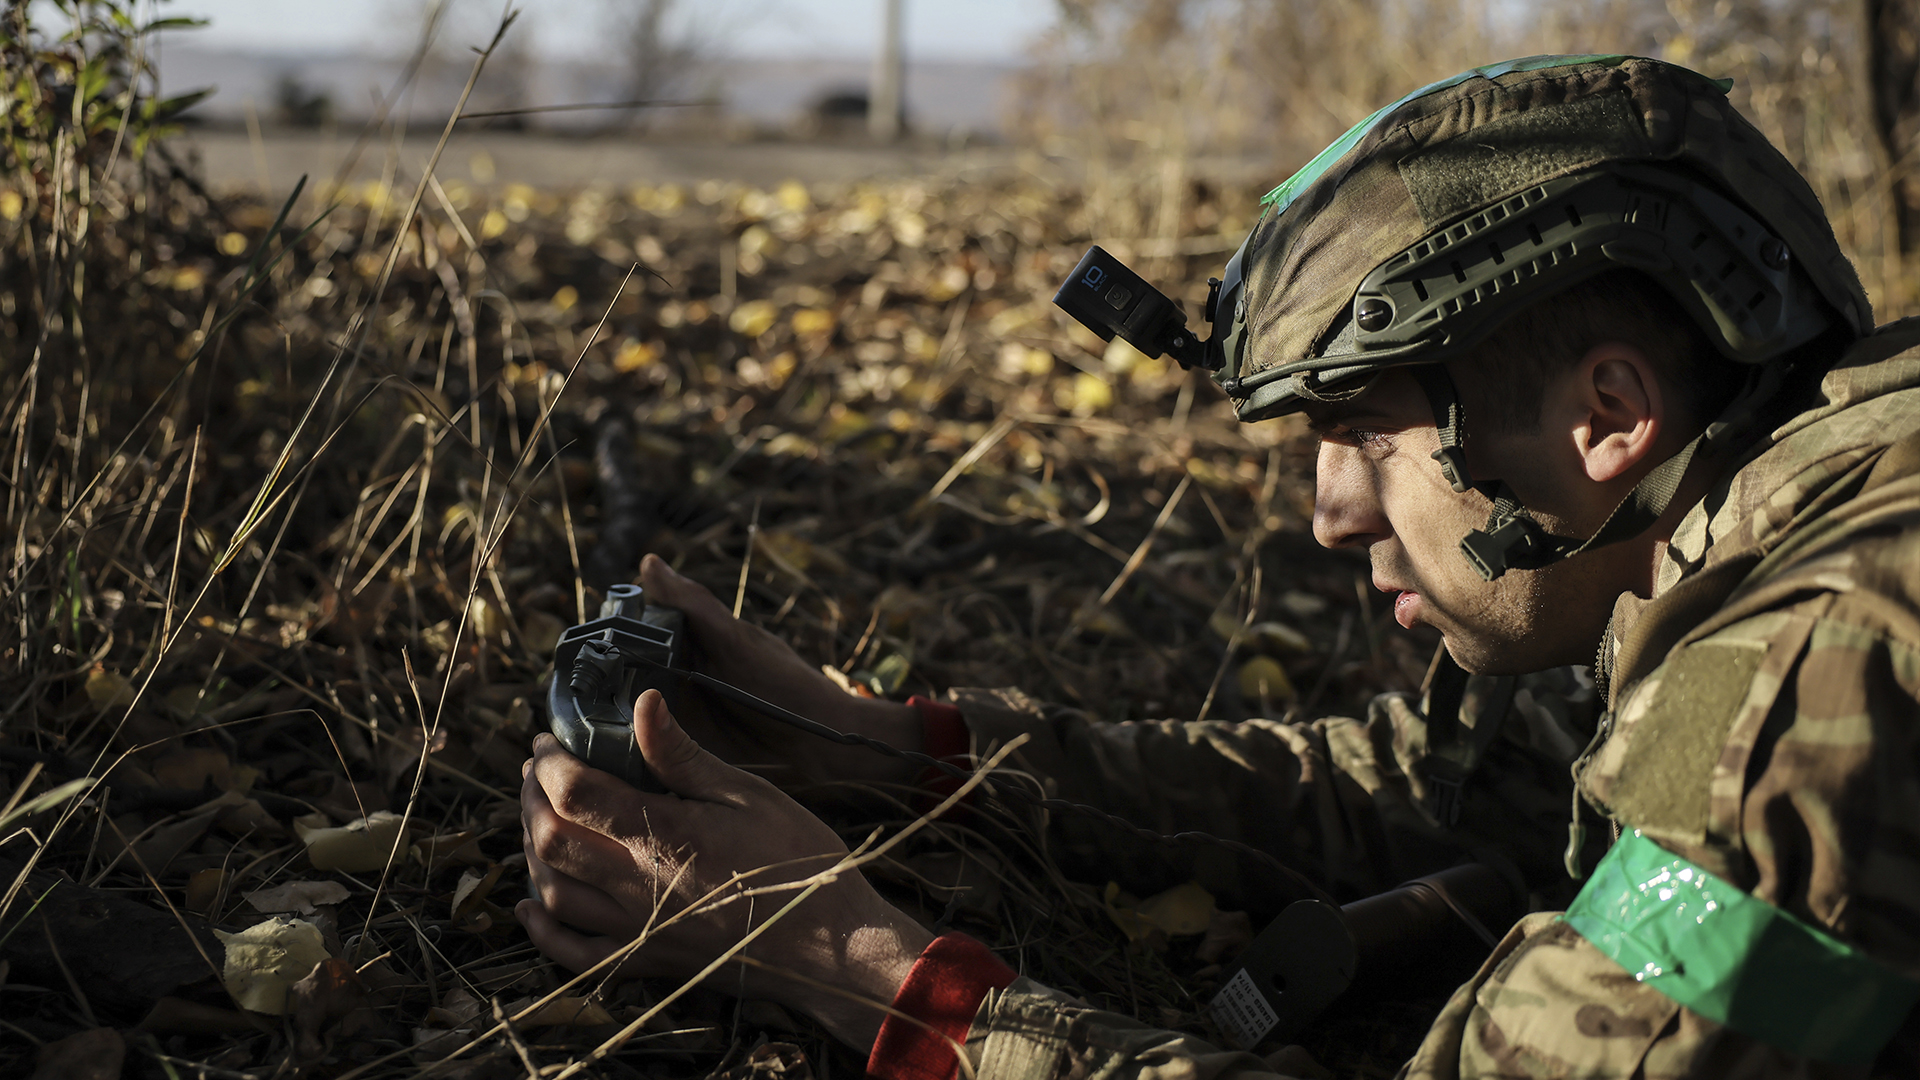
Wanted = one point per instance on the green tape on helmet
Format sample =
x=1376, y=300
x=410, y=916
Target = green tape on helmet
x=1736, y=959
x=1282, y=196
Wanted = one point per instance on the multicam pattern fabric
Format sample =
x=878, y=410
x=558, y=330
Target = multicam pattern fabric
x=1482, y=139
x=1806, y=677
x=1346, y=802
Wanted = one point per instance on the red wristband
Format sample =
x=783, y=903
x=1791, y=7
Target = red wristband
x=943, y=991
x=947, y=739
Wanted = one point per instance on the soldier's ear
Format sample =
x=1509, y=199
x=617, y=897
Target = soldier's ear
x=1618, y=411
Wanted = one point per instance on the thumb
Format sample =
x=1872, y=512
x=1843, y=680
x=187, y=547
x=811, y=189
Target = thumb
x=664, y=585
x=681, y=764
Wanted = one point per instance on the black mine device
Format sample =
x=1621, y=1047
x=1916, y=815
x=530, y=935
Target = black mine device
x=601, y=667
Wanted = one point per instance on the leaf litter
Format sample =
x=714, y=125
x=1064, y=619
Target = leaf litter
x=305, y=657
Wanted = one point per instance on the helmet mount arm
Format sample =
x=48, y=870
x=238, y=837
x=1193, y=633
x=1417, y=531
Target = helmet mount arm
x=1106, y=297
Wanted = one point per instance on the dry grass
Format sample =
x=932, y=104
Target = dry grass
x=296, y=508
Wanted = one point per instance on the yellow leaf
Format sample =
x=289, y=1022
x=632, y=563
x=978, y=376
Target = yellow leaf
x=813, y=322
x=1121, y=356
x=843, y=423
x=357, y=847
x=109, y=689
x=11, y=204
x=634, y=355
x=485, y=620
x=1085, y=395
x=1279, y=637
x=788, y=444
x=1262, y=677
x=755, y=241
x=1183, y=909
x=753, y=318
x=233, y=243
x=492, y=225
x=264, y=960
x=792, y=196
x=302, y=897
x=565, y=297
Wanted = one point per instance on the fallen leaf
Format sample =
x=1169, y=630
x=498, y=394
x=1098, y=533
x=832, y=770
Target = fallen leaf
x=753, y=318
x=298, y=896
x=1228, y=932
x=98, y=1054
x=357, y=847
x=449, y=849
x=328, y=993
x=1183, y=909
x=634, y=355
x=192, y=769
x=469, y=898
x=203, y=889
x=248, y=816
x=266, y=959
x=177, y=1016
x=1279, y=637
x=109, y=689
x=813, y=322
x=1262, y=677
x=890, y=674
x=456, y=1008
x=166, y=843
x=1084, y=395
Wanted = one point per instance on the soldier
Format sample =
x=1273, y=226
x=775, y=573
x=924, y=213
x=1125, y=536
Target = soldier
x=1591, y=375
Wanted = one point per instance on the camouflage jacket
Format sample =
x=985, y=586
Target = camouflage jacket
x=1767, y=700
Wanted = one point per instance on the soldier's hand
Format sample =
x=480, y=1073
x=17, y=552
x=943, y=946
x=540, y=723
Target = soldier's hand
x=609, y=862
x=765, y=666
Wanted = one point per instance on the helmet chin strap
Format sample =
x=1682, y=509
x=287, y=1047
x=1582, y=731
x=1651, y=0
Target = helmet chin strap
x=1513, y=540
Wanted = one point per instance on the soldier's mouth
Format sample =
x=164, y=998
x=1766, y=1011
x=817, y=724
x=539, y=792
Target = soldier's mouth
x=1406, y=602
x=1406, y=608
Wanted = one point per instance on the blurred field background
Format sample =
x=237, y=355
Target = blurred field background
x=302, y=486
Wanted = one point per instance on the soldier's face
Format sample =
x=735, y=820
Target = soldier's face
x=1378, y=487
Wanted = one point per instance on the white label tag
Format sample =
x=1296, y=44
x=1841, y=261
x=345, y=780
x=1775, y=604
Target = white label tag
x=1242, y=1013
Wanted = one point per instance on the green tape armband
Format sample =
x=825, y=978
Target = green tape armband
x=1736, y=959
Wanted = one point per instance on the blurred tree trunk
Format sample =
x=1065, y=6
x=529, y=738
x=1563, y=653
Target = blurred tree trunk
x=1893, y=73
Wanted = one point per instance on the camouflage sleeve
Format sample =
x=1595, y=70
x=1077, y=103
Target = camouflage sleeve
x=1344, y=801
x=1031, y=1032
x=1801, y=790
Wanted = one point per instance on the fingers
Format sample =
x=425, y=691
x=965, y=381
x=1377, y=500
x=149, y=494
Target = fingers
x=568, y=948
x=687, y=770
x=582, y=794
x=579, y=851
x=665, y=586
x=575, y=902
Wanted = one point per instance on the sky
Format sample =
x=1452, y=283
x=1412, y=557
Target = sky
x=953, y=29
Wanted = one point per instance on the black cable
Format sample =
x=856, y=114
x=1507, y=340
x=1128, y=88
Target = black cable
x=812, y=727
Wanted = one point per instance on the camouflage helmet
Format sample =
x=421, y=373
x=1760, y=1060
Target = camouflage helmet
x=1415, y=234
